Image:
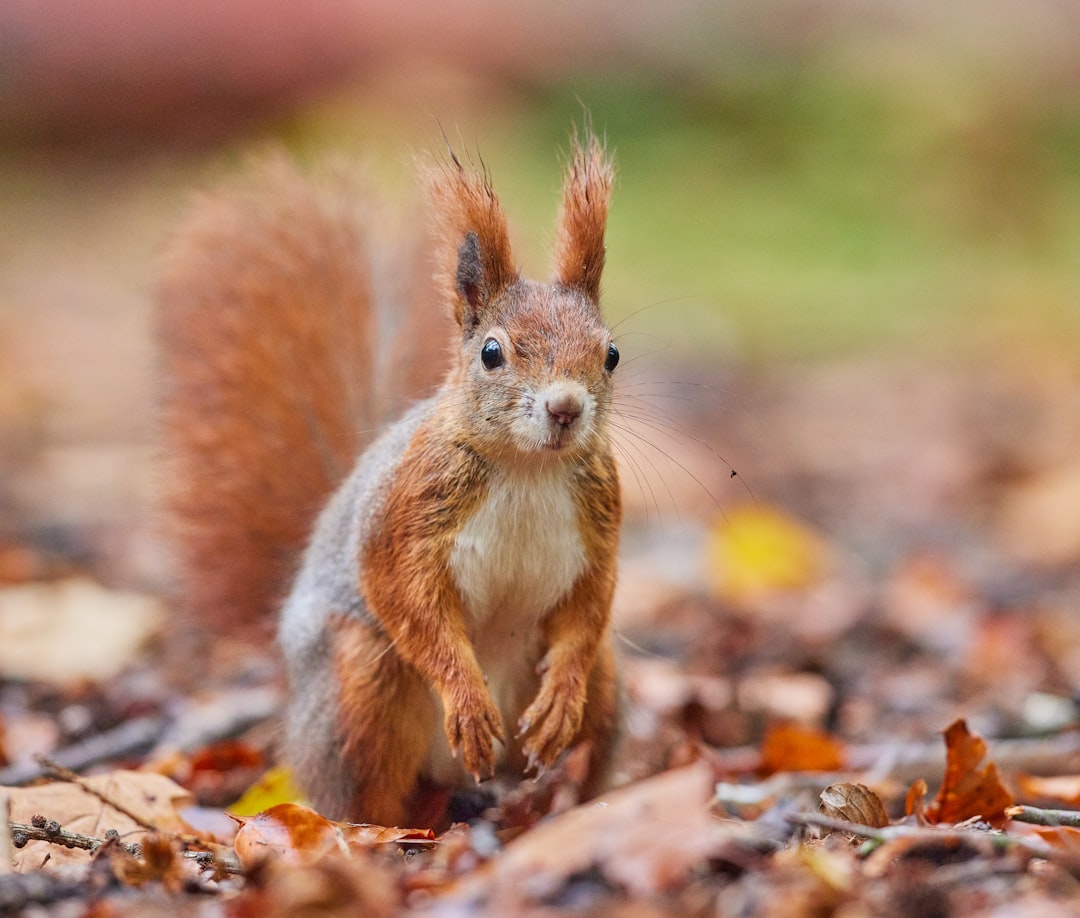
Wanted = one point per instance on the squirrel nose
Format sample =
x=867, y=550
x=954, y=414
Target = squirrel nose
x=564, y=408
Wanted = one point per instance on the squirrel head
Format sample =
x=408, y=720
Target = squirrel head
x=534, y=368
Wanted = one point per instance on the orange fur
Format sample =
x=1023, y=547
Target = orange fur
x=579, y=247
x=265, y=322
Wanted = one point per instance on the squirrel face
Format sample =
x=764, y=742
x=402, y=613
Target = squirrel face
x=538, y=379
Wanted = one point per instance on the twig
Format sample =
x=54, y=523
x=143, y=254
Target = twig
x=891, y=833
x=1037, y=816
x=66, y=774
x=55, y=834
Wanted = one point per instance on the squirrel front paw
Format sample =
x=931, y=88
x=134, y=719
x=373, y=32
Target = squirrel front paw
x=551, y=722
x=472, y=725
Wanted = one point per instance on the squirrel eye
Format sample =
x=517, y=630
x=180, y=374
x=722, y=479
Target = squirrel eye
x=612, y=358
x=491, y=355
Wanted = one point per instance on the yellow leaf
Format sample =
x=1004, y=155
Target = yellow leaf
x=756, y=549
x=274, y=787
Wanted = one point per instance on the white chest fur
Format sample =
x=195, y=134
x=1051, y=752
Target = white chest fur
x=514, y=559
x=521, y=551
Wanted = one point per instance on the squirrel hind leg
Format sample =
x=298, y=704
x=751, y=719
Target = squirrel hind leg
x=367, y=766
x=601, y=722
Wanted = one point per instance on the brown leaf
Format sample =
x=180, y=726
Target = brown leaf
x=1062, y=788
x=332, y=888
x=967, y=789
x=153, y=798
x=289, y=831
x=915, y=802
x=854, y=803
x=646, y=837
x=793, y=747
x=300, y=835
x=367, y=836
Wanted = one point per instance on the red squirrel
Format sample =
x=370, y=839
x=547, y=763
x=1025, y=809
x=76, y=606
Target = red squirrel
x=450, y=614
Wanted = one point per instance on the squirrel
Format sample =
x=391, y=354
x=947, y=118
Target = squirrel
x=449, y=615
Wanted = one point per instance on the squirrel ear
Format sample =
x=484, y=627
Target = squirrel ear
x=579, y=247
x=472, y=242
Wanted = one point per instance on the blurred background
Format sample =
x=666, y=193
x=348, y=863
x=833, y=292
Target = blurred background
x=845, y=241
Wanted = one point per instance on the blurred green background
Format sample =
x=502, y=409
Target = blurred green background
x=799, y=179
x=796, y=177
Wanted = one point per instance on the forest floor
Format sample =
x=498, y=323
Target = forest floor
x=852, y=675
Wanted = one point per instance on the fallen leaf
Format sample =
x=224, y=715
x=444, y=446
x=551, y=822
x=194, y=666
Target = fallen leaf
x=73, y=629
x=153, y=798
x=290, y=832
x=645, y=838
x=915, y=801
x=1062, y=788
x=1064, y=837
x=299, y=834
x=756, y=549
x=274, y=787
x=333, y=887
x=968, y=790
x=793, y=747
x=363, y=835
x=854, y=803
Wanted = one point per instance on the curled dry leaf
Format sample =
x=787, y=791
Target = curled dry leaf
x=968, y=790
x=915, y=802
x=854, y=803
x=793, y=747
x=300, y=835
x=288, y=831
x=1062, y=788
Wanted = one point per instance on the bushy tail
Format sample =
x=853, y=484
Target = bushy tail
x=266, y=330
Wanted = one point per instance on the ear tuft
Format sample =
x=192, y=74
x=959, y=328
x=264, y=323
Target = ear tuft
x=579, y=248
x=472, y=243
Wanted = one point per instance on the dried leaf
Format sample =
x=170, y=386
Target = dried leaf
x=1065, y=837
x=968, y=790
x=331, y=888
x=274, y=787
x=153, y=798
x=854, y=803
x=756, y=549
x=289, y=831
x=300, y=835
x=645, y=838
x=915, y=802
x=1062, y=788
x=367, y=836
x=793, y=747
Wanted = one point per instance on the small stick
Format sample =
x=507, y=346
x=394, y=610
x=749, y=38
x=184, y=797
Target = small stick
x=57, y=835
x=1037, y=816
x=66, y=774
x=890, y=833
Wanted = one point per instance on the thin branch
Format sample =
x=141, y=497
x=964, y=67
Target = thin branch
x=891, y=833
x=66, y=774
x=55, y=834
x=1037, y=816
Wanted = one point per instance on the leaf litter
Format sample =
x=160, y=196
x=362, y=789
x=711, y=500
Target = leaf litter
x=855, y=694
